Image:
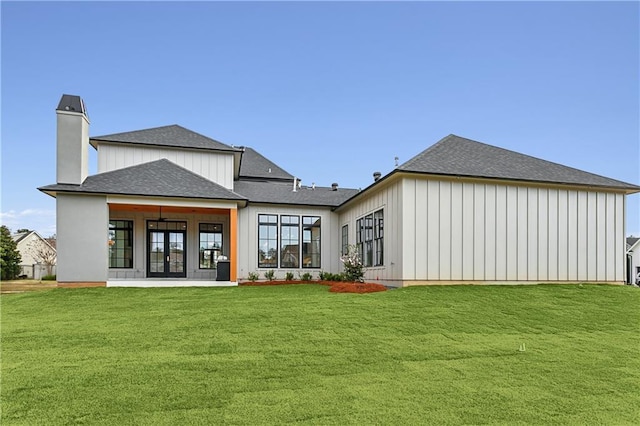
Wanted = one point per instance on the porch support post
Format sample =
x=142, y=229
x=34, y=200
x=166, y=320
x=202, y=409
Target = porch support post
x=233, y=244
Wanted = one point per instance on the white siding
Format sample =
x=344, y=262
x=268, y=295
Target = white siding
x=215, y=166
x=482, y=231
x=248, y=239
x=396, y=241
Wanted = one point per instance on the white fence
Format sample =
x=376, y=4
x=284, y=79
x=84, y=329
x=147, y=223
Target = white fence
x=35, y=271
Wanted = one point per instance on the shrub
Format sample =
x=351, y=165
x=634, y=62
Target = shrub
x=306, y=276
x=353, y=268
x=48, y=278
x=328, y=276
x=253, y=276
x=9, y=255
x=270, y=275
x=288, y=276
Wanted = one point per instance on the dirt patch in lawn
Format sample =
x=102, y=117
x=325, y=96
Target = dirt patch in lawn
x=21, y=286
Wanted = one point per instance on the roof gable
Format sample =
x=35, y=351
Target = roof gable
x=254, y=165
x=160, y=178
x=457, y=156
x=168, y=136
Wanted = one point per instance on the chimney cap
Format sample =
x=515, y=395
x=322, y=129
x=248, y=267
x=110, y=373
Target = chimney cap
x=334, y=186
x=71, y=103
x=376, y=175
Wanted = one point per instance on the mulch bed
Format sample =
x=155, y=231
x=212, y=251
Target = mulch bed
x=335, y=287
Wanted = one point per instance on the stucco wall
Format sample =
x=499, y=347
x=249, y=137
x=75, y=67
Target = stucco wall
x=479, y=231
x=81, y=238
x=217, y=167
x=248, y=239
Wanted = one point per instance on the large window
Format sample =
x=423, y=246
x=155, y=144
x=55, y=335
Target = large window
x=311, y=241
x=370, y=238
x=289, y=241
x=120, y=244
x=378, y=235
x=210, y=244
x=345, y=239
x=267, y=241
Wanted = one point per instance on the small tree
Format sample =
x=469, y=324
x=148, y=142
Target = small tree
x=9, y=255
x=353, y=268
x=43, y=253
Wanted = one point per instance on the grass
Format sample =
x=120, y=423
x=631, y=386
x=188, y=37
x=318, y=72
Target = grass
x=299, y=354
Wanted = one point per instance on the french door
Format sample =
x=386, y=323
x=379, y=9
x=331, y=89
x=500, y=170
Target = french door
x=166, y=249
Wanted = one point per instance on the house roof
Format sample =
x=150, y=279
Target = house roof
x=631, y=241
x=457, y=156
x=282, y=193
x=255, y=165
x=160, y=178
x=168, y=136
x=19, y=236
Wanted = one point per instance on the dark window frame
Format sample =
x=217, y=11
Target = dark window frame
x=213, y=252
x=289, y=222
x=265, y=222
x=113, y=238
x=313, y=251
x=345, y=240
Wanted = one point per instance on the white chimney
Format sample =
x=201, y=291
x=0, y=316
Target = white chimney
x=72, y=140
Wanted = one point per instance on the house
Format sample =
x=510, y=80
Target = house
x=169, y=206
x=38, y=255
x=633, y=260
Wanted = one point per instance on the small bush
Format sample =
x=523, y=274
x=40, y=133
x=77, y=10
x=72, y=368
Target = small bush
x=48, y=278
x=306, y=276
x=270, y=275
x=328, y=276
x=253, y=276
x=288, y=276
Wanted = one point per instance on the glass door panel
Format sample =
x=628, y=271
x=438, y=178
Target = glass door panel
x=176, y=252
x=166, y=251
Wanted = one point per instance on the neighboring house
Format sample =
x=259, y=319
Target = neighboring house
x=167, y=203
x=633, y=260
x=38, y=256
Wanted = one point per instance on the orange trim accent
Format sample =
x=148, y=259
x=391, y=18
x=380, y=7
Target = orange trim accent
x=233, y=244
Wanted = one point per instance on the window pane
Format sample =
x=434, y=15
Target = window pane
x=311, y=235
x=210, y=244
x=120, y=235
x=289, y=242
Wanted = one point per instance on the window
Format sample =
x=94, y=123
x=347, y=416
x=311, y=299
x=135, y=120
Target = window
x=210, y=244
x=378, y=227
x=267, y=241
x=370, y=238
x=360, y=238
x=289, y=241
x=311, y=241
x=345, y=239
x=120, y=244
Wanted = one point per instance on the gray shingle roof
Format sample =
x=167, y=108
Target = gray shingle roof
x=282, y=193
x=160, y=178
x=631, y=241
x=255, y=165
x=169, y=136
x=457, y=156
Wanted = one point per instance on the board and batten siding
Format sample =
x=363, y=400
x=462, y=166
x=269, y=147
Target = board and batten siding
x=215, y=166
x=389, y=198
x=248, y=239
x=456, y=230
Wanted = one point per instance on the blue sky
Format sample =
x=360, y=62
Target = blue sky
x=330, y=91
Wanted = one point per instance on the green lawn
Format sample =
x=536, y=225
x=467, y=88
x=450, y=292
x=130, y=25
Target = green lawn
x=299, y=354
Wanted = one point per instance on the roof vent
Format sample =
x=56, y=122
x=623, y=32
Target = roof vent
x=334, y=186
x=376, y=176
